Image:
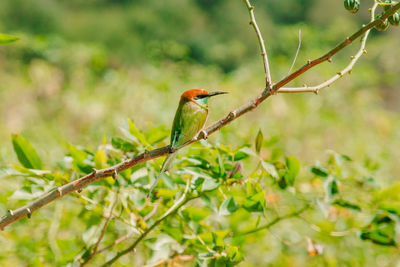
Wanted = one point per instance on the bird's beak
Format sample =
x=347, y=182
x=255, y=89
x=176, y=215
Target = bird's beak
x=216, y=93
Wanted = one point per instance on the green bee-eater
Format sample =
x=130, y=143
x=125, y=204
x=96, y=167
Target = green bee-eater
x=189, y=120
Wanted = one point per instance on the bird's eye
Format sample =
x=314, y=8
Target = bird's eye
x=200, y=96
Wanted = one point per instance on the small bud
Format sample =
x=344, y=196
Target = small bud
x=395, y=19
x=352, y=5
x=383, y=25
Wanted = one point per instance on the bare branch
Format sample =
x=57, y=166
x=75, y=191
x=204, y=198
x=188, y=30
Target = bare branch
x=310, y=64
x=275, y=221
x=347, y=69
x=268, y=81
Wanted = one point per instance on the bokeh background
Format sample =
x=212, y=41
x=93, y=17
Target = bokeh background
x=82, y=67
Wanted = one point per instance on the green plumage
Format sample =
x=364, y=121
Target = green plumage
x=190, y=118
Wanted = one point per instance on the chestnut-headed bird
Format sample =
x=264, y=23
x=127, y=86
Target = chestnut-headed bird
x=189, y=120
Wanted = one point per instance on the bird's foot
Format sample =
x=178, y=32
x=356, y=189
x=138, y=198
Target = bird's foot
x=202, y=135
x=172, y=149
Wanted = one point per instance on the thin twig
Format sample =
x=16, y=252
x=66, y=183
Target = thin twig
x=178, y=204
x=268, y=80
x=96, y=175
x=274, y=221
x=297, y=53
x=347, y=69
x=153, y=211
x=328, y=56
x=103, y=230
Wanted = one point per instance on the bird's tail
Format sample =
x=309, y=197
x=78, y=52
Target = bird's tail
x=165, y=167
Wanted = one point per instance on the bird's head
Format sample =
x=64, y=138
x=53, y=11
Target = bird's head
x=200, y=96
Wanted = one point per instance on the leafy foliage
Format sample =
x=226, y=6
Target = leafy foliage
x=69, y=84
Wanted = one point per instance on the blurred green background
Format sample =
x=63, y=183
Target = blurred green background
x=81, y=67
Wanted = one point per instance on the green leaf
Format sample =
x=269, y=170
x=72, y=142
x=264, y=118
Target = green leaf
x=123, y=145
x=239, y=156
x=380, y=231
x=228, y=207
x=7, y=39
x=391, y=207
x=166, y=193
x=346, y=204
x=270, y=168
x=157, y=134
x=331, y=187
x=259, y=141
x=138, y=134
x=100, y=159
x=26, y=154
x=255, y=203
x=195, y=214
x=293, y=168
x=210, y=184
x=319, y=170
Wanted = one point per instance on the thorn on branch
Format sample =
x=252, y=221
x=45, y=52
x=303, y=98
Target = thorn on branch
x=340, y=73
x=348, y=41
x=309, y=61
x=115, y=173
x=94, y=172
x=232, y=114
x=352, y=57
x=364, y=51
x=316, y=91
x=28, y=210
x=79, y=190
x=146, y=154
x=59, y=191
x=11, y=212
x=329, y=59
x=251, y=22
x=350, y=71
x=251, y=7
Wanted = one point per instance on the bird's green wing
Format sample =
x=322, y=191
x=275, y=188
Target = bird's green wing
x=189, y=120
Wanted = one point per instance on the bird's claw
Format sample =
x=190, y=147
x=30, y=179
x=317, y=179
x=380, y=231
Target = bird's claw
x=202, y=135
x=171, y=149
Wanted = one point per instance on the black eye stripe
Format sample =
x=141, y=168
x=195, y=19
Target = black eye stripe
x=200, y=96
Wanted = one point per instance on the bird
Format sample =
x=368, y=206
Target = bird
x=189, y=120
